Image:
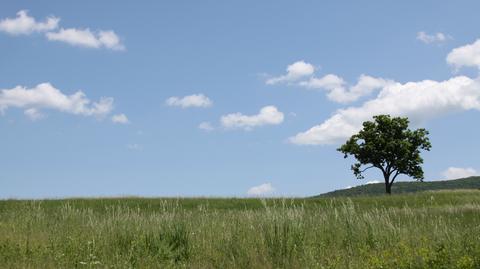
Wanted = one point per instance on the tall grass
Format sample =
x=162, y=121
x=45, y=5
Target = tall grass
x=427, y=230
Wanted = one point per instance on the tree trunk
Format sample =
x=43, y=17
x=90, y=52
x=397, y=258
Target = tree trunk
x=388, y=185
x=388, y=188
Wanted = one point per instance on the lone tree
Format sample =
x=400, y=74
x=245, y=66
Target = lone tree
x=386, y=143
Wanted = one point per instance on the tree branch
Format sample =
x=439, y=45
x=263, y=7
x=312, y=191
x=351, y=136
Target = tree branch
x=381, y=168
x=367, y=168
x=395, y=176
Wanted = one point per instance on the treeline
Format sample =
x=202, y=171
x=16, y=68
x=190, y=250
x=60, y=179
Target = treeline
x=407, y=187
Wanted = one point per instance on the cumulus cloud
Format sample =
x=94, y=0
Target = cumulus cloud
x=261, y=190
x=206, y=126
x=302, y=74
x=465, y=56
x=420, y=101
x=268, y=115
x=295, y=71
x=120, y=118
x=23, y=24
x=45, y=96
x=329, y=82
x=457, y=172
x=432, y=38
x=338, y=90
x=194, y=100
x=87, y=38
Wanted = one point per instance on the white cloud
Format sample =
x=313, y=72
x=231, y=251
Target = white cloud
x=260, y=190
x=268, y=115
x=110, y=40
x=33, y=114
x=295, y=71
x=465, y=56
x=372, y=182
x=45, y=96
x=302, y=74
x=365, y=86
x=339, y=92
x=87, y=38
x=23, y=24
x=206, y=126
x=419, y=101
x=457, y=172
x=120, y=118
x=328, y=82
x=194, y=100
x=432, y=38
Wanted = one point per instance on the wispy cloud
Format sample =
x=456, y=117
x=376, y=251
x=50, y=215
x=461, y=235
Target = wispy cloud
x=194, y=100
x=120, y=118
x=458, y=172
x=87, y=38
x=33, y=114
x=134, y=147
x=432, y=38
x=206, y=126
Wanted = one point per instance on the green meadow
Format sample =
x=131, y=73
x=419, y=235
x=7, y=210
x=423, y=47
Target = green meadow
x=438, y=229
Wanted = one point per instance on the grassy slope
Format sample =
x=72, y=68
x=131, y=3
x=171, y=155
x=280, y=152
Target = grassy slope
x=407, y=187
x=422, y=230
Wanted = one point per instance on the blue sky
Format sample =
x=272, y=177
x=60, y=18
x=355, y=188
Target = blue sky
x=274, y=85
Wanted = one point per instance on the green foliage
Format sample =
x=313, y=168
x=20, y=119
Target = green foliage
x=423, y=230
x=387, y=144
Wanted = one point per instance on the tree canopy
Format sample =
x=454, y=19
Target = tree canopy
x=388, y=144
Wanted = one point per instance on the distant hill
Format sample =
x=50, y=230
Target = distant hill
x=407, y=187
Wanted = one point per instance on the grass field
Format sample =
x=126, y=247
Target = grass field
x=423, y=230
